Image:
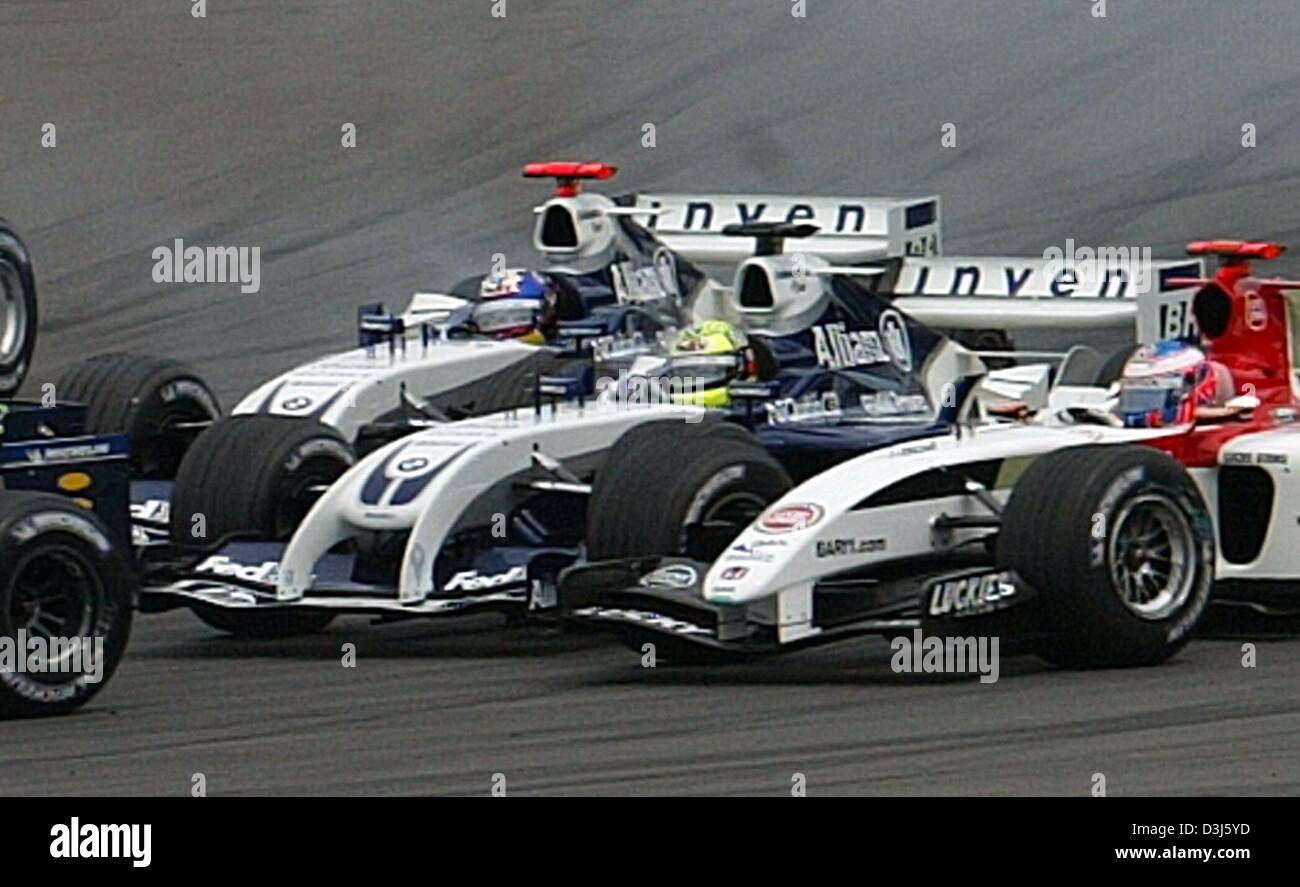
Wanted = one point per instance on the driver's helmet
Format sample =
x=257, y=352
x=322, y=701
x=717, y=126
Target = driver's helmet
x=1163, y=384
x=516, y=304
x=706, y=358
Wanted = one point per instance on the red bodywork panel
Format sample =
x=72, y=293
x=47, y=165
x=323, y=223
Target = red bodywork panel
x=1244, y=326
x=1199, y=446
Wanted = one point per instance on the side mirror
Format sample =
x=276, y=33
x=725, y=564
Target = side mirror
x=1243, y=403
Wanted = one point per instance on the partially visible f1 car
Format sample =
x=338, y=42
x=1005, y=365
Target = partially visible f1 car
x=67, y=580
x=67, y=575
x=1095, y=531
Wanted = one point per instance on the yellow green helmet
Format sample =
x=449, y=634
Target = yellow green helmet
x=706, y=358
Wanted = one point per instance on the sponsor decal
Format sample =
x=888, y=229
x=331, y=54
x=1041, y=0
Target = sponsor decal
x=971, y=595
x=1256, y=311
x=891, y=404
x=790, y=518
x=34, y=525
x=839, y=348
x=153, y=510
x=843, y=547
x=702, y=214
x=913, y=449
x=296, y=404
x=825, y=406
x=898, y=344
x=753, y=551
x=671, y=576
x=414, y=465
x=265, y=573
x=734, y=574
x=472, y=580
x=1255, y=459
x=44, y=455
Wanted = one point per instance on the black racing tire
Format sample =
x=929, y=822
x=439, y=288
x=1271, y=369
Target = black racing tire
x=61, y=576
x=663, y=483
x=254, y=475
x=257, y=476
x=162, y=405
x=1073, y=530
x=18, y=311
x=1113, y=367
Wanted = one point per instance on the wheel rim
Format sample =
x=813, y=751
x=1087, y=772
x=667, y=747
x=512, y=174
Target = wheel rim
x=302, y=490
x=13, y=316
x=164, y=445
x=719, y=523
x=1152, y=556
x=54, y=592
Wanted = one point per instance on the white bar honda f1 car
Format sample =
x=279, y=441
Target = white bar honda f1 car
x=1095, y=530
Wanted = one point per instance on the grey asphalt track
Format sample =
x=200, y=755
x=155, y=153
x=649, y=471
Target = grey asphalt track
x=226, y=130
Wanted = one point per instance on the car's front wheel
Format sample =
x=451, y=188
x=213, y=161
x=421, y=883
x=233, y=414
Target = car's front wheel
x=256, y=476
x=1119, y=545
x=676, y=488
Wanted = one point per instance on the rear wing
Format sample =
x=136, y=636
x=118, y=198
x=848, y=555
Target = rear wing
x=1035, y=293
x=851, y=229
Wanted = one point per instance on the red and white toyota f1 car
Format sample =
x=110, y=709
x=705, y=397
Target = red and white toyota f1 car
x=1097, y=528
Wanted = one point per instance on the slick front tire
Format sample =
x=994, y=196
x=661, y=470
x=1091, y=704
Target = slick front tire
x=1119, y=546
x=675, y=488
x=18, y=318
x=255, y=476
x=60, y=578
x=162, y=405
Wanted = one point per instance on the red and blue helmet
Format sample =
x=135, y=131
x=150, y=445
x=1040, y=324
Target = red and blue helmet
x=1163, y=384
x=516, y=303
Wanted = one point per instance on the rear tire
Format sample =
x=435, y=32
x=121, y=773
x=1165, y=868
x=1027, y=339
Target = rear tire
x=1119, y=545
x=470, y=289
x=162, y=405
x=258, y=476
x=673, y=488
x=18, y=312
x=1113, y=368
x=60, y=576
